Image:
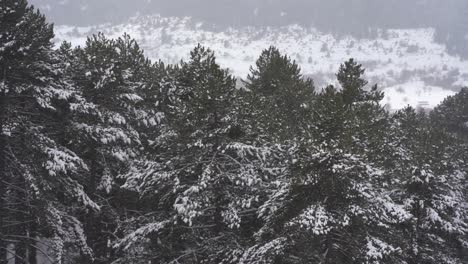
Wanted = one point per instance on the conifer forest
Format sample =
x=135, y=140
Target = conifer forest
x=108, y=157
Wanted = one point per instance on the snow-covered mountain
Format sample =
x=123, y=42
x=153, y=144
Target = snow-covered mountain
x=408, y=64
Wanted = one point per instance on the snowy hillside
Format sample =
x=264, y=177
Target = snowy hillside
x=408, y=64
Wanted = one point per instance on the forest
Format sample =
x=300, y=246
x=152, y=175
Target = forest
x=108, y=157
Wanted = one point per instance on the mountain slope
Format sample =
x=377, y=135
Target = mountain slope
x=408, y=63
x=448, y=17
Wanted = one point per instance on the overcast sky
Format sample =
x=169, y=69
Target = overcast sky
x=379, y=12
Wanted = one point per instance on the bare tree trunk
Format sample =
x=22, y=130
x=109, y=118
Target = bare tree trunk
x=33, y=246
x=3, y=109
x=31, y=251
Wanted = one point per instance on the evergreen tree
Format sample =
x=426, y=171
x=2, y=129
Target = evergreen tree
x=107, y=126
x=106, y=157
x=452, y=114
x=279, y=98
x=428, y=179
x=207, y=181
x=350, y=78
x=331, y=198
x=33, y=162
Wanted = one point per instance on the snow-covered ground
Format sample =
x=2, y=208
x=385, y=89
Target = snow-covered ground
x=415, y=93
x=407, y=64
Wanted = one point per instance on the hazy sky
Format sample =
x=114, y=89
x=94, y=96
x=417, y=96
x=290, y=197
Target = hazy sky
x=381, y=12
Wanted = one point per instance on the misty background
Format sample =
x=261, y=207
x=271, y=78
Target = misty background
x=342, y=17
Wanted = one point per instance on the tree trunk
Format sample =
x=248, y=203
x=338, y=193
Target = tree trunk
x=31, y=251
x=3, y=108
x=93, y=222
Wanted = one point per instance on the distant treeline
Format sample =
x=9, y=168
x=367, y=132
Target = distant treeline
x=358, y=17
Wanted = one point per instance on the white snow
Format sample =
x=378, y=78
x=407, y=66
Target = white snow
x=414, y=93
x=377, y=250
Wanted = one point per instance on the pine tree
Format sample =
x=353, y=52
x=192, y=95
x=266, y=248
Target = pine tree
x=279, y=98
x=428, y=175
x=206, y=182
x=349, y=77
x=452, y=114
x=108, y=124
x=106, y=157
x=34, y=164
x=330, y=197
x=351, y=117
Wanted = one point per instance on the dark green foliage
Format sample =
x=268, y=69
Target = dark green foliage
x=350, y=76
x=40, y=178
x=427, y=164
x=452, y=114
x=106, y=157
x=351, y=81
x=279, y=99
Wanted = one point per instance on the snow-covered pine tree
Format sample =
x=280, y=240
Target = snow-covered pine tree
x=452, y=114
x=278, y=99
x=350, y=78
x=39, y=176
x=205, y=182
x=364, y=118
x=428, y=177
x=185, y=168
x=330, y=207
x=107, y=126
x=160, y=97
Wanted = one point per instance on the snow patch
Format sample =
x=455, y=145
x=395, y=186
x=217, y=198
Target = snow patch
x=416, y=94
